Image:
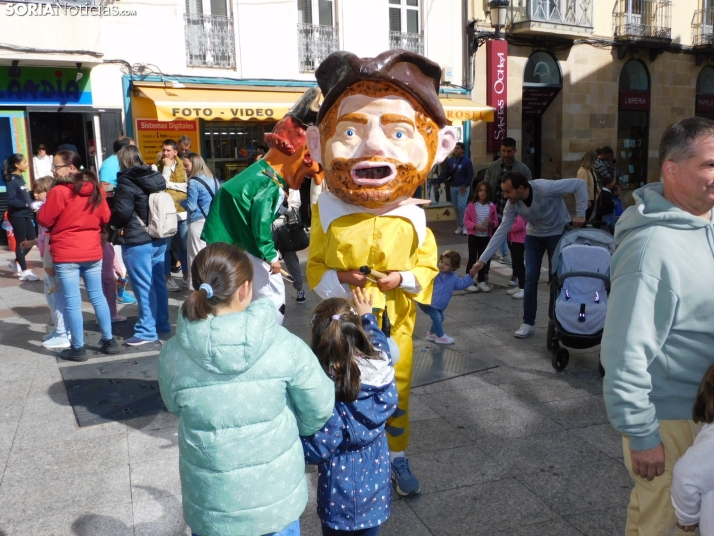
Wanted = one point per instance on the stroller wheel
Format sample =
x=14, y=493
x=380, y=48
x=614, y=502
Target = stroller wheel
x=560, y=359
x=550, y=335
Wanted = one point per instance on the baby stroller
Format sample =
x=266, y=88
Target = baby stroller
x=579, y=287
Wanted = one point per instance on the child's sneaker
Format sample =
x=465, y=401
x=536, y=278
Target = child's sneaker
x=512, y=291
x=15, y=267
x=300, y=296
x=483, y=287
x=430, y=336
x=406, y=483
x=57, y=342
x=513, y=282
x=126, y=298
x=171, y=285
x=518, y=295
x=444, y=339
x=472, y=288
x=28, y=275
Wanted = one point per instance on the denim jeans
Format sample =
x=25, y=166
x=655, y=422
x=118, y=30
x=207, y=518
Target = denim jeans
x=504, y=248
x=145, y=266
x=293, y=529
x=459, y=201
x=91, y=272
x=535, y=247
x=437, y=318
x=182, y=237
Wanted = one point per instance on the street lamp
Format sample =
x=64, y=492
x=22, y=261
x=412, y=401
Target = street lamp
x=499, y=12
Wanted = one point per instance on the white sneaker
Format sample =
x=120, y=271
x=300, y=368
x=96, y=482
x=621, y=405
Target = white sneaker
x=513, y=282
x=464, y=231
x=444, y=340
x=57, y=342
x=15, y=267
x=512, y=291
x=483, y=287
x=28, y=275
x=472, y=288
x=171, y=285
x=430, y=336
x=51, y=335
x=506, y=260
x=459, y=230
x=518, y=295
x=524, y=331
x=184, y=283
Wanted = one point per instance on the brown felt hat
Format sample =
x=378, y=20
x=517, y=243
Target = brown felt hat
x=411, y=72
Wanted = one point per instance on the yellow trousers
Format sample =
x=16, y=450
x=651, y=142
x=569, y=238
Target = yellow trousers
x=399, y=423
x=650, y=512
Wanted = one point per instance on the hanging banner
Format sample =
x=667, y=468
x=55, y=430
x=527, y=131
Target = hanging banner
x=497, y=92
x=151, y=133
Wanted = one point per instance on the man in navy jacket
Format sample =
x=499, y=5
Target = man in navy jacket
x=459, y=173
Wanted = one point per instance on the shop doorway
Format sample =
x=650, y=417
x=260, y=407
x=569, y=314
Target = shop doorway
x=62, y=130
x=633, y=125
x=542, y=81
x=705, y=93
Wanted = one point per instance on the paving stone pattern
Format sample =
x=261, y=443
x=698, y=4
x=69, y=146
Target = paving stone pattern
x=516, y=449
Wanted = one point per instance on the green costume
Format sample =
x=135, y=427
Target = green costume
x=244, y=209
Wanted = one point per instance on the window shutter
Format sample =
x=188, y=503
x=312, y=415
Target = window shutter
x=325, y=7
x=395, y=19
x=305, y=11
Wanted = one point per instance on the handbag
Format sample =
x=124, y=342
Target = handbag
x=291, y=236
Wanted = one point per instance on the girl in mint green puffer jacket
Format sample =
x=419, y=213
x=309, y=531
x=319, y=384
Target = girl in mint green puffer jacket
x=244, y=389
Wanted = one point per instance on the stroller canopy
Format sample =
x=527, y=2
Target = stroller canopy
x=586, y=237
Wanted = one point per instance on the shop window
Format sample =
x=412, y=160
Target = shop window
x=542, y=69
x=633, y=125
x=705, y=93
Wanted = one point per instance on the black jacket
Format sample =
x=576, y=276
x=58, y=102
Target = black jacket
x=605, y=204
x=18, y=197
x=134, y=185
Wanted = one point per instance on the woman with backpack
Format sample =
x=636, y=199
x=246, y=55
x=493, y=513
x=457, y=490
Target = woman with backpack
x=143, y=254
x=202, y=188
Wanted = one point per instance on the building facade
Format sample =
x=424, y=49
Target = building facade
x=221, y=72
x=584, y=73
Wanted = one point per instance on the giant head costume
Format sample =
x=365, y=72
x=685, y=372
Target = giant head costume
x=287, y=140
x=381, y=127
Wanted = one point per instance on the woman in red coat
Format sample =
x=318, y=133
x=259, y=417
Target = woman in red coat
x=74, y=213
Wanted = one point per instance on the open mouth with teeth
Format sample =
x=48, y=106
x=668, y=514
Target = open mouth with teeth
x=373, y=174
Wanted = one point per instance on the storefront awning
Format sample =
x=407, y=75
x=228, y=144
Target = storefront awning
x=219, y=104
x=253, y=105
x=458, y=110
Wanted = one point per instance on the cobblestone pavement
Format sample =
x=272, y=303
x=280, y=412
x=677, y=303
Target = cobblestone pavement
x=516, y=450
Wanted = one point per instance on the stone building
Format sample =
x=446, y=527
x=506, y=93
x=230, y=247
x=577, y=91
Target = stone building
x=588, y=73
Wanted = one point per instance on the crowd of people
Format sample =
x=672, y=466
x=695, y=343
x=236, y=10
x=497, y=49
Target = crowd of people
x=328, y=403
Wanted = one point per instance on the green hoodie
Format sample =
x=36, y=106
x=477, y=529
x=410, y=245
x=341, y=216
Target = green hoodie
x=659, y=332
x=244, y=389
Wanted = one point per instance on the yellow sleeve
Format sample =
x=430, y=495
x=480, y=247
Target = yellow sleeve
x=426, y=268
x=316, y=266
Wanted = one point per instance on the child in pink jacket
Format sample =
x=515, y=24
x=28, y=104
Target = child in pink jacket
x=480, y=219
x=516, y=243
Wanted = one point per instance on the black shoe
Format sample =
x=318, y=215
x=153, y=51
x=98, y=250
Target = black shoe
x=74, y=354
x=109, y=346
x=176, y=269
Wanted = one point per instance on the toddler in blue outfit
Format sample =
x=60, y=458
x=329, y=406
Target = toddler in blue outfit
x=354, y=491
x=445, y=283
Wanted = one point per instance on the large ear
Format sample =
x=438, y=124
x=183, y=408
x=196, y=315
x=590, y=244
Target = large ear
x=447, y=142
x=313, y=143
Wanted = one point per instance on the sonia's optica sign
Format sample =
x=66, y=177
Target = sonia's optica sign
x=45, y=85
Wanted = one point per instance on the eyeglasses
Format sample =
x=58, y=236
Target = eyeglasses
x=60, y=167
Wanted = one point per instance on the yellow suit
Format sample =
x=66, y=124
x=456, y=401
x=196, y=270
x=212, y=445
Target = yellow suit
x=396, y=241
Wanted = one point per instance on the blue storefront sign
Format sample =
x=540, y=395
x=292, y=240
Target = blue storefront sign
x=44, y=86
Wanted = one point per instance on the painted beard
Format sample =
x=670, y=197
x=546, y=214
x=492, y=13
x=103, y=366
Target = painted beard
x=374, y=182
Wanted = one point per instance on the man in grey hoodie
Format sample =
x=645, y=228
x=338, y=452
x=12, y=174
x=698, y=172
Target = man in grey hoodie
x=540, y=203
x=659, y=337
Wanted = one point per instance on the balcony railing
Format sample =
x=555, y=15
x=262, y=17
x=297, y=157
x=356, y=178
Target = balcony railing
x=649, y=19
x=210, y=41
x=414, y=42
x=703, y=27
x=566, y=12
x=315, y=43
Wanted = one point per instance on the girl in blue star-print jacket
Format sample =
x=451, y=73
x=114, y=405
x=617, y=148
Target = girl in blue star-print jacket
x=354, y=492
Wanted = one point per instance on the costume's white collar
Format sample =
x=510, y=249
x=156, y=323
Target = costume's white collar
x=331, y=208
